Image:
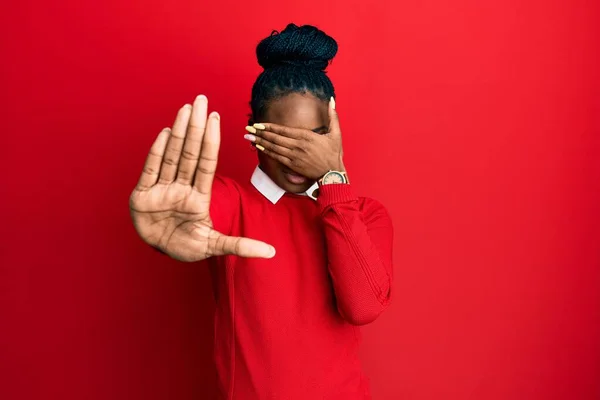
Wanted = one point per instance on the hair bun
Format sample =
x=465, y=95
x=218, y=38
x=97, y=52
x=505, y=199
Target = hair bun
x=304, y=46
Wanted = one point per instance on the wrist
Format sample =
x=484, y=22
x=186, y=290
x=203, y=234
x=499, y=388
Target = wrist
x=336, y=165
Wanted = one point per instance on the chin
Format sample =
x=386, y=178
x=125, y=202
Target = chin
x=302, y=189
x=291, y=188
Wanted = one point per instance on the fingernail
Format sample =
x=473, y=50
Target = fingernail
x=332, y=102
x=251, y=138
x=258, y=146
x=216, y=116
x=251, y=129
x=260, y=126
x=273, y=252
x=201, y=97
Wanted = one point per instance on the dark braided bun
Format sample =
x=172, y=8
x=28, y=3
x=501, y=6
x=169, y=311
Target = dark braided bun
x=304, y=46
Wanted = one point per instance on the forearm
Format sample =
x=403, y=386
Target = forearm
x=359, y=247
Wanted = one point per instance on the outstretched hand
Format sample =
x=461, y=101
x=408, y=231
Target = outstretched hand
x=170, y=206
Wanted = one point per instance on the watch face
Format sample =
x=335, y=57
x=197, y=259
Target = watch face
x=334, y=177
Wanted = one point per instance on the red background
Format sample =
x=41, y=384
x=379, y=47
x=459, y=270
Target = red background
x=477, y=123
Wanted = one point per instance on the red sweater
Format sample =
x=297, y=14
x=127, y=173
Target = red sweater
x=287, y=327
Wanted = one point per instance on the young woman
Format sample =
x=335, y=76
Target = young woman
x=286, y=321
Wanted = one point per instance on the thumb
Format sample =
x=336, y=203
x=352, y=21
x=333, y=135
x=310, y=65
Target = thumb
x=242, y=247
x=334, y=121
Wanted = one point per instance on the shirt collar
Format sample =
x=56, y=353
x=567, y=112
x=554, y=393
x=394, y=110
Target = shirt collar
x=265, y=185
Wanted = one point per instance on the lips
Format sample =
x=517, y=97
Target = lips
x=294, y=178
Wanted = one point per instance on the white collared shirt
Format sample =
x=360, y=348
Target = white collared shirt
x=265, y=185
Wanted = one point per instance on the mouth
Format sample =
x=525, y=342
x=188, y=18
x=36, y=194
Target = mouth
x=294, y=178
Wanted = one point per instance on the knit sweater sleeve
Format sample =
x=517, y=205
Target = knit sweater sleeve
x=359, y=236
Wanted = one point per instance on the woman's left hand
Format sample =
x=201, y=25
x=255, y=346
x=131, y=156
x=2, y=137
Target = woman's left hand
x=303, y=151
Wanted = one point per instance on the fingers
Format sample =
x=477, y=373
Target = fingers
x=170, y=161
x=193, y=141
x=272, y=137
x=209, y=154
x=276, y=156
x=293, y=133
x=334, y=121
x=270, y=143
x=151, y=169
x=242, y=247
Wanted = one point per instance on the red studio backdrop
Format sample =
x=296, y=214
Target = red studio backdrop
x=477, y=123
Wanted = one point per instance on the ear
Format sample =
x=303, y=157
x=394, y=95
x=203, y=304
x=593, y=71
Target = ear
x=334, y=122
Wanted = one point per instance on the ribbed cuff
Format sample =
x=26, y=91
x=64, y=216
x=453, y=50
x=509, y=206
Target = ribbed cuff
x=333, y=194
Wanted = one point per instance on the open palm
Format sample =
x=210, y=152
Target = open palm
x=170, y=206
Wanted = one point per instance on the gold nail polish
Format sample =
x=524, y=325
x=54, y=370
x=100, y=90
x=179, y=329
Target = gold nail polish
x=258, y=146
x=251, y=129
x=260, y=126
x=332, y=101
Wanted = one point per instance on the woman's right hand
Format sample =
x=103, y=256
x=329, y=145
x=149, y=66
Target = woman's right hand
x=170, y=206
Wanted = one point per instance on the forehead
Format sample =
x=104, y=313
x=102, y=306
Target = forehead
x=298, y=110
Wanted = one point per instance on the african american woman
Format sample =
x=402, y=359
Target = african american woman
x=298, y=260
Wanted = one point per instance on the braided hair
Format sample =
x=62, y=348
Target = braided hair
x=294, y=61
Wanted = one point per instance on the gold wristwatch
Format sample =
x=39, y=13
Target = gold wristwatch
x=333, y=177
